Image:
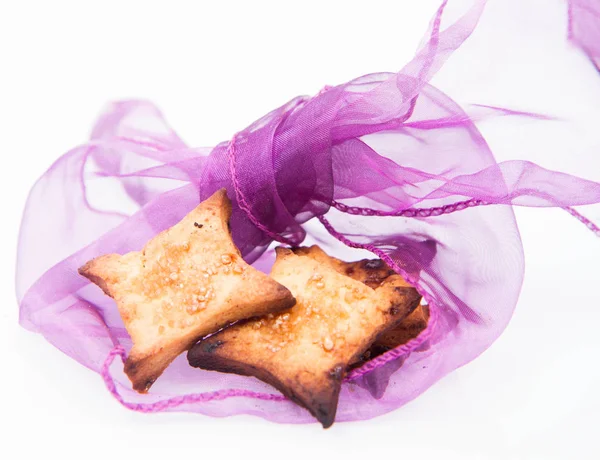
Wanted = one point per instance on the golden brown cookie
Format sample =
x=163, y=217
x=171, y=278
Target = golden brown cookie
x=187, y=282
x=305, y=352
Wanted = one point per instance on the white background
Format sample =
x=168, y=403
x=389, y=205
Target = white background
x=213, y=67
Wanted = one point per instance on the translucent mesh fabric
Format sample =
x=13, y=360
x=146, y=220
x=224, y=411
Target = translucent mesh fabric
x=385, y=163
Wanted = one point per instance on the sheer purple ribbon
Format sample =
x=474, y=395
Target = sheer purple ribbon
x=385, y=162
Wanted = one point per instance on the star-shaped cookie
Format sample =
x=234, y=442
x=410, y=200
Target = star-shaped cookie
x=187, y=282
x=305, y=352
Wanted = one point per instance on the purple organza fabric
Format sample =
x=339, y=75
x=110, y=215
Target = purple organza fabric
x=584, y=27
x=385, y=162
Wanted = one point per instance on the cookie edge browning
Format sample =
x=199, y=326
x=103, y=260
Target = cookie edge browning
x=405, y=333
x=322, y=405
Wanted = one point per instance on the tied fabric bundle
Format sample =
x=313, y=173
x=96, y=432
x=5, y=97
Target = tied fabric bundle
x=385, y=163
